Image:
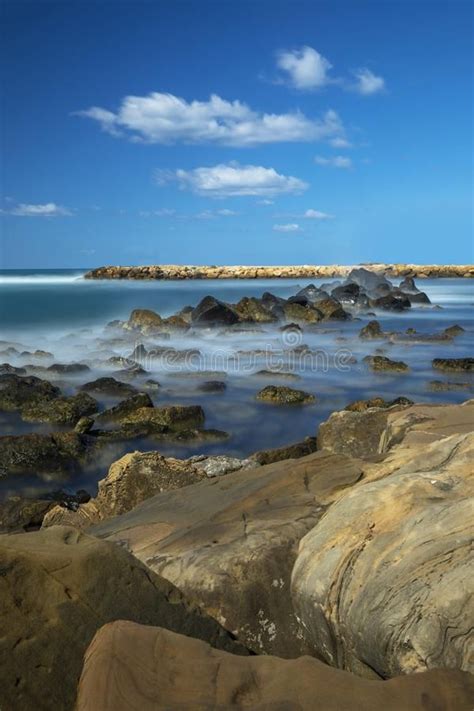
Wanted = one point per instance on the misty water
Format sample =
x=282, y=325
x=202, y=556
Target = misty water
x=65, y=314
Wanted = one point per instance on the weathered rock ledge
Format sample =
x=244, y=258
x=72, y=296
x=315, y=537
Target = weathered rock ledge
x=181, y=271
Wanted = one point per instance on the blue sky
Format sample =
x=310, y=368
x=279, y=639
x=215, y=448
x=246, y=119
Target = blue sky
x=236, y=132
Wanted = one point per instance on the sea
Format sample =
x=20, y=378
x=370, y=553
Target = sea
x=61, y=312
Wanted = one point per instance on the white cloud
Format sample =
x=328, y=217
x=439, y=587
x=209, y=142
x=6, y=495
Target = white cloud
x=168, y=119
x=265, y=202
x=226, y=213
x=164, y=212
x=367, y=82
x=291, y=227
x=233, y=179
x=49, y=209
x=335, y=162
x=316, y=215
x=305, y=68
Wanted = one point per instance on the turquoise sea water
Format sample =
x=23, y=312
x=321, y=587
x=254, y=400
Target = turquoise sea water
x=60, y=312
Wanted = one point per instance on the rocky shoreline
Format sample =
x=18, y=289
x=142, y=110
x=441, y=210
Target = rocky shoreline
x=181, y=271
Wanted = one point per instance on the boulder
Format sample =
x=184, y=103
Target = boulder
x=124, y=409
x=20, y=514
x=68, y=368
x=61, y=410
x=176, y=417
x=390, y=302
x=331, y=308
x=211, y=312
x=368, y=280
x=109, y=387
x=291, y=451
x=7, y=369
x=253, y=310
x=282, y=395
x=212, y=386
x=57, y=588
x=454, y=330
x=130, y=666
x=445, y=386
x=145, y=320
x=372, y=330
x=379, y=363
x=231, y=541
x=361, y=405
x=49, y=456
x=454, y=364
x=383, y=582
x=17, y=391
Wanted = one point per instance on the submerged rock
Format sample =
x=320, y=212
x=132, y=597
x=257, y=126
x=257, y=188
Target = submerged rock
x=122, y=411
x=176, y=417
x=372, y=330
x=282, y=395
x=454, y=330
x=454, y=364
x=71, y=368
x=212, y=386
x=379, y=363
x=444, y=386
x=211, y=311
x=43, y=455
x=110, y=387
x=7, y=369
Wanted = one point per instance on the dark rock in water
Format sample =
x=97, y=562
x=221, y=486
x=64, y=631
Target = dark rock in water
x=20, y=514
x=361, y=405
x=445, y=386
x=68, y=368
x=372, y=330
x=7, y=369
x=197, y=435
x=408, y=286
x=50, y=455
x=346, y=293
x=36, y=354
x=454, y=364
x=212, y=386
x=211, y=311
x=61, y=410
x=84, y=425
x=282, y=395
x=176, y=417
x=293, y=311
x=291, y=328
x=192, y=676
x=277, y=374
x=453, y=331
x=139, y=353
x=331, y=308
x=391, y=302
x=379, y=363
x=145, y=320
x=419, y=298
x=17, y=391
x=58, y=575
x=124, y=409
x=291, y=451
x=109, y=386
x=150, y=384
x=367, y=280
x=254, y=311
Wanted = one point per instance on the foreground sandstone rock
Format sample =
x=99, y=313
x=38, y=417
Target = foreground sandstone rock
x=384, y=581
x=130, y=666
x=231, y=541
x=57, y=588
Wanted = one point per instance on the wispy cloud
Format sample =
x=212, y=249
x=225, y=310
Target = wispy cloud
x=49, y=209
x=316, y=215
x=233, y=179
x=290, y=227
x=334, y=161
x=265, y=201
x=367, y=82
x=167, y=119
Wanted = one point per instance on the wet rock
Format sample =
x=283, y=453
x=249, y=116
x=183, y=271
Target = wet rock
x=70, y=368
x=212, y=386
x=382, y=363
x=372, y=330
x=292, y=311
x=453, y=331
x=445, y=386
x=277, y=374
x=7, y=369
x=211, y=311
x=17, y=391
x=346, y=293
x=84, y=425
x=408, y=285
x=368, y=280
x=390, y=302
x=109, y=387
x=454, y=364
x=282, y=395
x=419, y=298
x=58, y=587
x=291, y=451
x=21, y=514
x=138, y=354
x=254, y=311
x=43, y=455
x=361, y=405
x=145, y=320
x=292, y=329
x=61, y=410
x=192, y=675
x=176, y=417
x=124, y=409
x=331, y=309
